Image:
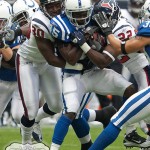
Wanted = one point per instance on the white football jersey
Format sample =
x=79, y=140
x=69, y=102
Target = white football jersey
x=134, y=61
x=40, y=27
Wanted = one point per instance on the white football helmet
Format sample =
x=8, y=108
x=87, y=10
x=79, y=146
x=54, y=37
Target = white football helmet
x=78, y=12
x=23, y=11
x=144, y=14
x=5, y=14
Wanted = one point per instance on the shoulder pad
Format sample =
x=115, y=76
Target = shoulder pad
x=61, y=28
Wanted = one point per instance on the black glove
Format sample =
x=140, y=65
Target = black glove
x=78, y=38
x=103, y=22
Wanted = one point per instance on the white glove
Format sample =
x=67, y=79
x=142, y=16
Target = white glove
x=10, y=35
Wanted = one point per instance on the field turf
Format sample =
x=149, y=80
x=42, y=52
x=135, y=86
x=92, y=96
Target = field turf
x=9, y=135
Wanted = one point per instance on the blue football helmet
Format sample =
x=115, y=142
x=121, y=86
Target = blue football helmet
x=110, y=8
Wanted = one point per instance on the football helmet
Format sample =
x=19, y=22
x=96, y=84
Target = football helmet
x=51, y=8
x=78, y=12
x=144, y=14
x=22, y=13
x=5, y=14
x=134, y=7
x=110, y=8
x=11, y=2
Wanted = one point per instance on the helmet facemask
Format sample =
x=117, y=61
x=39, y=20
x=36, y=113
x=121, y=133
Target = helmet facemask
x=110, y=8
x=79, y=18
x=21, y=18
x=78, y=12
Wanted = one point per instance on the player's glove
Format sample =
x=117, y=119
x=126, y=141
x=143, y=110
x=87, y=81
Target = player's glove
x=12, y=34
x=103, y=22
x=78, y=38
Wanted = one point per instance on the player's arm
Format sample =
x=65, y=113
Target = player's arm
x=46, y=48
x=99, y=59
x=70, y=52
x=130, y=46
x=7, y=53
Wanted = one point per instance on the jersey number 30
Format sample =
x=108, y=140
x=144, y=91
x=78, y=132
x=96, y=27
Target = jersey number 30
x=37, y=32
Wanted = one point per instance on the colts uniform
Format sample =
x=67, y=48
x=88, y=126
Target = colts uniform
x=90, y=79
x=8, y=86
x=137, y=107
x=35, y=74
x=136, y=63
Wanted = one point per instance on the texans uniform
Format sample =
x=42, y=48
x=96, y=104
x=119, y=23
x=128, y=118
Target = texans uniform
x=90, y=79
x=136, y=63
x=35, y=74
x=137, y=106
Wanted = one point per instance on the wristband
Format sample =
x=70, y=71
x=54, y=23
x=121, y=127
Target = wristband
x=123, y=50
x=110, y=55
x=85, y=47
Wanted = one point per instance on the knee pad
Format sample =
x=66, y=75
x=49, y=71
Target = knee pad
x=26, y=122
x=47, y=110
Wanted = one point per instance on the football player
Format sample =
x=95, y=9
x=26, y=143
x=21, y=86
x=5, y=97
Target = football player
x=136, y=108
x=136, y=63
x=76, y=17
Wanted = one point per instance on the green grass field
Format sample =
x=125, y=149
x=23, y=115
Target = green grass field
x=9, y=135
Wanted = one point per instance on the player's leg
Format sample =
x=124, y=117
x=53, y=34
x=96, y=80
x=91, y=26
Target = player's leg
x=28, y=85
x=131, y=136
x=73, y=91
x=136, y=108
x=50, y=83
x=6, y=92
x=102, y=115
x=17, y=109
x=107, y=81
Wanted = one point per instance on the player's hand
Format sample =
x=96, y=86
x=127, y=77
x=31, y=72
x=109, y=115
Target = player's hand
x=103, y=22
x=12, y=34
x=78, y=38
x=94, y=38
